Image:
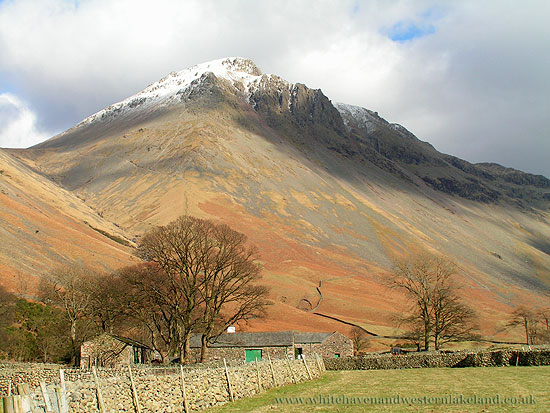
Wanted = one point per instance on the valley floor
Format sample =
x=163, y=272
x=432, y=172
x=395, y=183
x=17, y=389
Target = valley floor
x=524, y=384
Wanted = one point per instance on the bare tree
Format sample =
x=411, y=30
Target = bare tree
x=150, y=300
x=436, y=310
x=227, y=287
x=453, y=320
x=67, y=288
x=107, y=294
x=358, y=338
x=177, y=249
x=415, y=329
x=544, y=316
x=525, y=317
x=7, y=318
x=210, y=277
x=7, y=301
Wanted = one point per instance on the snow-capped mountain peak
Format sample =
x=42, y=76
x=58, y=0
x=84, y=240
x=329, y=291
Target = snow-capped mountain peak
x=169, y=89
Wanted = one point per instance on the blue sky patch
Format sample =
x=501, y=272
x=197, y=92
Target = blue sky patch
x=408, y=30
x=423, y=24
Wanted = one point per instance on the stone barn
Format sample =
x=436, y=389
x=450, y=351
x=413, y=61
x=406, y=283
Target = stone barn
x=280, y=344
x=329, y=345
x=108, y=350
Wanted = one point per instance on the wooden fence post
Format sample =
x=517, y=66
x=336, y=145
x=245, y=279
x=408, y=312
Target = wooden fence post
x=100, y=402
x=64, y=408
x=9, y=404
x=258, y=375
x=307, y=367
x=228, y=381
x=27, y=403
x=317, y=363
x=46, y=397
x=291, y=371
x=318, y=360
x=134, y=391
x=59, y=400
x=185, y=404
x=272, y=371
x=18, y=404
x=12, y=404
x=22, y=389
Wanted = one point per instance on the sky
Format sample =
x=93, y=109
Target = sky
x=471, y=77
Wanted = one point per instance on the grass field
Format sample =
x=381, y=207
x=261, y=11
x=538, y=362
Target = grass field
x=511, y=382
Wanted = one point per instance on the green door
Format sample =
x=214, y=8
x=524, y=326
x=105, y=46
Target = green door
x=252, y=355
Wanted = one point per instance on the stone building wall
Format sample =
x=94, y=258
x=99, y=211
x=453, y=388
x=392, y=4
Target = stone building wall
x=334, y=344
x=159, y=389
x=239, y=353
x=105, y=351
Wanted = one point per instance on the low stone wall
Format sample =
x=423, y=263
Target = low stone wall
x=33, y=373
x=30, y=373
x=158, y=389
x=481, y=358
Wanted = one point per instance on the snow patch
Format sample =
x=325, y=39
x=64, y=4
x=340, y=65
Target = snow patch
x=242, y=73
x=369, y=120
x=364, y=118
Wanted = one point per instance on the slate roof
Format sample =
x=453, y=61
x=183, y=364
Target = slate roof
x=261, y=339
x=129, y=341
x=306, y=338
x=266, y=339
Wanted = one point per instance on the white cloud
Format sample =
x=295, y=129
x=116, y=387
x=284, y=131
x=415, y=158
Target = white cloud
x=18, y=127
x=476, y=87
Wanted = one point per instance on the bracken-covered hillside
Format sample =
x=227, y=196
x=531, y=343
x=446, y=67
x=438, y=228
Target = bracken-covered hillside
x=330, y=193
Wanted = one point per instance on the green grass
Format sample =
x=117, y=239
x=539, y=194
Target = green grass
x=480, y=381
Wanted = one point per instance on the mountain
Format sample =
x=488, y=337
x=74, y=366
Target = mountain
x=43, y=225
x=328, y=192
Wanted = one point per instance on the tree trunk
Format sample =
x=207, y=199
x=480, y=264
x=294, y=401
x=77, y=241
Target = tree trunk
x=73, y=343
x=427, y=334
x=526, y=324
x=182, y=353
x=204, y=348
x=186, y=349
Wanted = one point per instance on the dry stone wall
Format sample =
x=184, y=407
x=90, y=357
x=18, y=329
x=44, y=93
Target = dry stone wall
x=238, y=353
x=482, y=358
x=160, y=390
x=31, y=373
